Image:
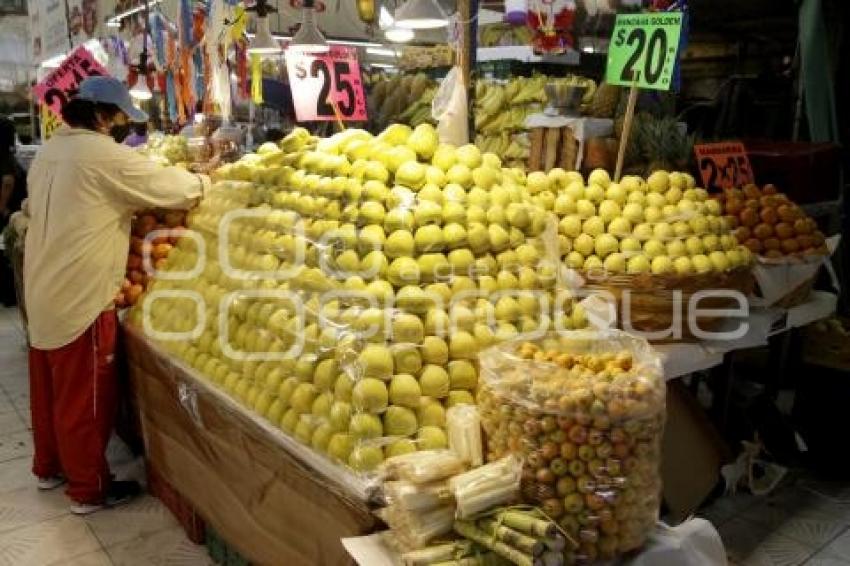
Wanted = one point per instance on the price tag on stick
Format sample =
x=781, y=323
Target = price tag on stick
x=723, y=165
x=320, y=81
x=643, y=50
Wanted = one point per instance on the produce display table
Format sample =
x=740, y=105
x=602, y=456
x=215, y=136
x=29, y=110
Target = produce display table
x=685, y=358
x=255, y=486
x=275, y=500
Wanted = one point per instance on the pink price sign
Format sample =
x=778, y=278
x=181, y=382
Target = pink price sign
x=324, y=84
x=60, y=85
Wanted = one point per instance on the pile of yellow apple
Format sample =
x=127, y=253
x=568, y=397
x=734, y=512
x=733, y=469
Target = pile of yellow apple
x=660, y=225
x=386, y=261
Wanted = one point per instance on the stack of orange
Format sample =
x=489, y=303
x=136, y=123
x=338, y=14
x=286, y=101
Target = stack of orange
x=770, y=225
x=154, y=247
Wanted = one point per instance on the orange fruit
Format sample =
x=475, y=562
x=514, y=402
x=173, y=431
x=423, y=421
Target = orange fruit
x=749, y=217
x=772, y=244
x=790, y=246
x=754, y=245
x=768, y=215
x=784, y=231
x=763, y=231
x=743, y=233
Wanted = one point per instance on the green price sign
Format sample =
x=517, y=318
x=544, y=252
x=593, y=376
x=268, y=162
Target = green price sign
x=643, y=50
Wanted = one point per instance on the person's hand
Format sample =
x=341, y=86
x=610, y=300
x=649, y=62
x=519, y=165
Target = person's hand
x=207, y=167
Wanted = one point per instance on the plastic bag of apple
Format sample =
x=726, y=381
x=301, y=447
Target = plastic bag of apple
x=386, y=261
x=585, y=411
x=154, y=233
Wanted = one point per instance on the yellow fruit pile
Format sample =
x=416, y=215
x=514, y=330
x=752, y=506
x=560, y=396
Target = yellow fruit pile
x=358, y=281
x=661, y=225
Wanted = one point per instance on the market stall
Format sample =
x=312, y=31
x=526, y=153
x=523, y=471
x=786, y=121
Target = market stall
x=454, y=303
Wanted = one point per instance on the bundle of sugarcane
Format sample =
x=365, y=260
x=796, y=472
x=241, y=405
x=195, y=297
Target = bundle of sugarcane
x=414, y=529
x=464, y=432
x=423, y=466
x=485, y=487
x=523, y=537
x=413, y=496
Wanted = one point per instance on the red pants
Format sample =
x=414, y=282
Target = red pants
x=73, y=399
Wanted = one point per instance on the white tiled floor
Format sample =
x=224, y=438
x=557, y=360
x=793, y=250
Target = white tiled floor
x=803, y=523
x=36, y=529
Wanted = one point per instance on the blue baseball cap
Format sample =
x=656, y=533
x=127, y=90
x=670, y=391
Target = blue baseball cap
x=111, y=91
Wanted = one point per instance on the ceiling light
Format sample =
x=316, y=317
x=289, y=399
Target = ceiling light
x=140, y=90
x=380, y=51
x=264, y=43
x=308, y=38
x=420, y=14
x=399, y=35
x=382, y=65
x=385, y=18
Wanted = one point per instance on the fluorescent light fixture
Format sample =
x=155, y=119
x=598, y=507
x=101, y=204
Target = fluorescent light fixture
x=115, y=21
x=140, y=90
x=264, y=43
x=385, y=18
x=383, y=65
x=588, y=49
x=399, y=35
x=353, y=42
x=420, y=14
x=308, y=38
x=381, y=51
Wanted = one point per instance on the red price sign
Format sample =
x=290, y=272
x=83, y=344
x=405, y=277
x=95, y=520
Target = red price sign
x=723, y=165
x=59, y=86
x=322, y=81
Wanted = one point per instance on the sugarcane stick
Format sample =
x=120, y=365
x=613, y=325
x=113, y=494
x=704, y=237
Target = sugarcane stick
x=428, y=555
x=512, y=537
x=473, y=533
x=529, y=525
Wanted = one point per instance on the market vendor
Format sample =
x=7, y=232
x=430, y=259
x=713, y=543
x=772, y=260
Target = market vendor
x=83, y=190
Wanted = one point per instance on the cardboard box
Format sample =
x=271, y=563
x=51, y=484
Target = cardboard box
x=692, y=454
x=237, y=471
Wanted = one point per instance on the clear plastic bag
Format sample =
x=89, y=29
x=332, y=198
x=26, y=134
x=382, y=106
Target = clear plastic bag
x=347, y=304
x=449, y=108
x=585, y=411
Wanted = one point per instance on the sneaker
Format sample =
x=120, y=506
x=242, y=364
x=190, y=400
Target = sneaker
x=119, y=492
x=50, y=482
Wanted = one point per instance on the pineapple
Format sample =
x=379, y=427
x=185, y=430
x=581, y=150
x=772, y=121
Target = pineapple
x=656, y=143
x=605, y=101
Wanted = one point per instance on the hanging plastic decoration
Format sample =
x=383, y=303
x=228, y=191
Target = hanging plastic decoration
x=516, y=12
x=552, y=23
x=216, y=42
x=256, y=78
x=367, y=11
x=174, y=107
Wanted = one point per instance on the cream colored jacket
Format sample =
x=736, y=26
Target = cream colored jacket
x=83, y=189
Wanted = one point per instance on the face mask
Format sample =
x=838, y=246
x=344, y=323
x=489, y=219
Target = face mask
x=119, y=132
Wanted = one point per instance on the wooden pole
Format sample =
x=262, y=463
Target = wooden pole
x=467, y=11
x=627, y=129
